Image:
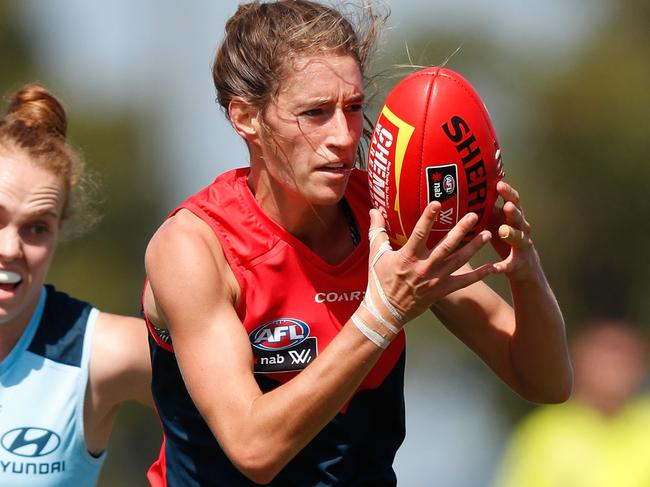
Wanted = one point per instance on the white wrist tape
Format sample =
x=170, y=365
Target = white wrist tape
x=370, y=334
x=372, y=234
x=370, y=307
x=383, y=248
x=368, y=302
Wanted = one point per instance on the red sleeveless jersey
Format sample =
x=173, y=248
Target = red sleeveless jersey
x=292, y=305
x=292, y=302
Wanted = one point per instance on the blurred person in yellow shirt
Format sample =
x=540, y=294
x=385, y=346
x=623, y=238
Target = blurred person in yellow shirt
x=601, y=436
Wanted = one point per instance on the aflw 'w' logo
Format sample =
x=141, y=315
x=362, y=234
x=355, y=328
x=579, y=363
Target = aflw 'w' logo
x=447, y=216
x=304, y=356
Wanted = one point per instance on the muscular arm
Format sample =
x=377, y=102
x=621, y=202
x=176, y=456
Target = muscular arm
x=196, y=292
x=525, y=344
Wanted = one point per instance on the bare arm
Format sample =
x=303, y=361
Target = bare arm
x=524, y=344
x=196, y=292
x=120, y=370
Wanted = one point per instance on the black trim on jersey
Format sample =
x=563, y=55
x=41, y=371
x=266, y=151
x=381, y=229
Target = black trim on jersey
x=357, y=448
x=352, y=223
x=60, y=334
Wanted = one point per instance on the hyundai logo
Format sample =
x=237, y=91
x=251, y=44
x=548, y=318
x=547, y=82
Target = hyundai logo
x=30, y=442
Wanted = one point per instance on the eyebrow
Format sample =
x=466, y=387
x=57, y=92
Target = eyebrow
x=42, y=213
x=31, y=215
x=323, y=100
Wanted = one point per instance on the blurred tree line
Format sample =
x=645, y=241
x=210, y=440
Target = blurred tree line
x=575, y=135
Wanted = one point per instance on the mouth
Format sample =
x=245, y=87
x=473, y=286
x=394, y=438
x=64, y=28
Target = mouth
x=339, y=168
x=9, y=280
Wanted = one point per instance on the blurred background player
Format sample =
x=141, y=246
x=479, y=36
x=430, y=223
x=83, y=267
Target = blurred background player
x=601, y=436
x=65, y=367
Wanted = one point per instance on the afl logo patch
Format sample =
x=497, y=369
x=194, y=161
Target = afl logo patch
x=279, y=334
x=448, y=184
x=30, y=442
x=441, y=183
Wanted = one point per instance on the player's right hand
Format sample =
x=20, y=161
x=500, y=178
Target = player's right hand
x=414, y=277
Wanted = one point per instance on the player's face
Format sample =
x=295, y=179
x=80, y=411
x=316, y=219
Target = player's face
x=31, y=205
x=316, y=122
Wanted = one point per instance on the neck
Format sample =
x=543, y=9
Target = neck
x=324, y=229
x=291, y=210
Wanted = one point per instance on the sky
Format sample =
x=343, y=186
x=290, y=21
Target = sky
x=145, y=53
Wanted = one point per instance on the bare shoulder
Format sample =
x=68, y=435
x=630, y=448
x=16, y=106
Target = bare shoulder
x=113, y=330
x=179, y=234
x=185, y=263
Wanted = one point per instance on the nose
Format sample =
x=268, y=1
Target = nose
x=10, y=244
x=341, y=135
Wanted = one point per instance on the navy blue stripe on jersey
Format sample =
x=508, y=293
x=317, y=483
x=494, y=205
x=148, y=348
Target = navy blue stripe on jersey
x=356, y=448
x=63, y=338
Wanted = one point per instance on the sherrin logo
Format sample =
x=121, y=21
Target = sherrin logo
x=279, y=334
x=388, y=145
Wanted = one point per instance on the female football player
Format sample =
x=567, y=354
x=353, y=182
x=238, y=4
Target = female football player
x=274, y=300
x=65, y=367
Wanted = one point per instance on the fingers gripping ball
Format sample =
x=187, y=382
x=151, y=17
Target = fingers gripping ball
x=433, y=141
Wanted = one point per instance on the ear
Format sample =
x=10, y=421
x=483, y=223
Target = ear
x=244, y=118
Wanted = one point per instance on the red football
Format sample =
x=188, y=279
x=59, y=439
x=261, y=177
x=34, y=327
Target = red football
x=433, y=140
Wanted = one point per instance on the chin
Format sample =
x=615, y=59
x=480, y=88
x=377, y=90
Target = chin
x=327, y=198
x=6, y=316
x=330, y=194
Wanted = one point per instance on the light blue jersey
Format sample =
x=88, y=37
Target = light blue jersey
x=42, y=388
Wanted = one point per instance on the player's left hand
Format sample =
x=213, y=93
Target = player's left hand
x=514, y=243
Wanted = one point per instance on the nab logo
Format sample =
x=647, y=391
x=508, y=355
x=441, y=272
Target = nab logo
x=441, y=183
x=30, y=442
x=279, y=334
